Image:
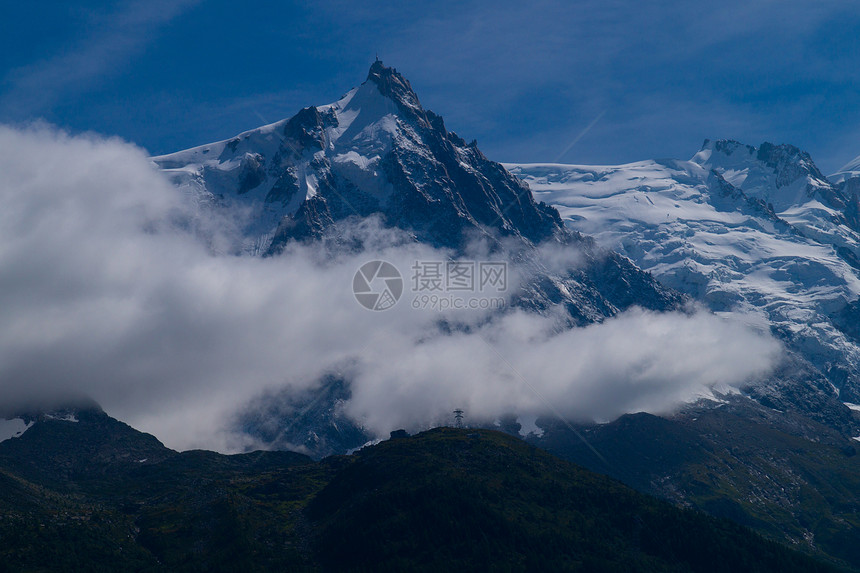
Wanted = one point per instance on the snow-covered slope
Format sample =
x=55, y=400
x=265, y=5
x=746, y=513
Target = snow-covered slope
x=753, y=231
x=848, y=171
x=295, y=178
x=268, y=175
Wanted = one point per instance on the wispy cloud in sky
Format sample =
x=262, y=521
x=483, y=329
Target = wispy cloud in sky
x=102, y=50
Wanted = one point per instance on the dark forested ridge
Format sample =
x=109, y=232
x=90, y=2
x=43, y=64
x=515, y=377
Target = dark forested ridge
x=96, y=495
x=783, y=475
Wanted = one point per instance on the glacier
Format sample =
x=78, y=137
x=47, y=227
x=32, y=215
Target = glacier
x=758, y=233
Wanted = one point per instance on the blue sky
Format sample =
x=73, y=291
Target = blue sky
x=577, y=82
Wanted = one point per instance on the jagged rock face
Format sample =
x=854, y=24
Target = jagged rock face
x=375, y=151
x=758, y=232
x=438, y=187
x=788, y=163
x=847, y=182
x=781, y=175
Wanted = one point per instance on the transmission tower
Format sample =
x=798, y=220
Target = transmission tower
x=458, y=418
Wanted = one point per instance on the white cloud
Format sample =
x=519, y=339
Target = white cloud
x=102, y=294
x=638, y=361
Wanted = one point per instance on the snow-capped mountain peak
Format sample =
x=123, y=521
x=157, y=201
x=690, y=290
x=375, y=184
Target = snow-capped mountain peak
x=395, y=87
x=781, y=175
x=273, y=169
x=297, y=177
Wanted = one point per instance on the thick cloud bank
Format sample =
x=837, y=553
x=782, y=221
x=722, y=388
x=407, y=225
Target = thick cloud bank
x=107, y=290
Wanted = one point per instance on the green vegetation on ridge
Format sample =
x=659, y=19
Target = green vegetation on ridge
x=474, y=500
